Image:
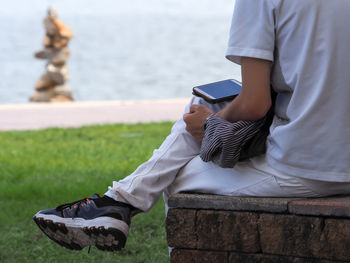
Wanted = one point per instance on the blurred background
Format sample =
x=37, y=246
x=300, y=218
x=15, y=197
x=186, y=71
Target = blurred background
x=122, y=50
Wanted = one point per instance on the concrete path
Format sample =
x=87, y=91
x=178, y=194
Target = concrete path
x=76, y=114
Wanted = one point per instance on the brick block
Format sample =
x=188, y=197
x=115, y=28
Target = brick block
x=336, y=239
x=291, y=235
x=227, y=231
x=261, y=258
x=180, y=228
x=198, y=256
x=331, y=206
x=231, y=203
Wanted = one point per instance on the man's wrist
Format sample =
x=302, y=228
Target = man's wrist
x=206, y=121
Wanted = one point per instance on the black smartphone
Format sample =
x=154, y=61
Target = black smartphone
x=224, y=90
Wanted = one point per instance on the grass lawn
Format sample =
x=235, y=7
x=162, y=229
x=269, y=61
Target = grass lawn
x=42, y=169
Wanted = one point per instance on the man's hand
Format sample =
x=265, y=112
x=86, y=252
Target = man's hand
x=195, y=120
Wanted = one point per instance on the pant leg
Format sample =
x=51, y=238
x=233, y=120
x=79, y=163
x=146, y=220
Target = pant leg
x=143, y=187
x=242, y=180
x=249, y=178
x=254, y=177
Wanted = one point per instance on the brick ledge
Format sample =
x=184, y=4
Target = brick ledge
x=329, y=206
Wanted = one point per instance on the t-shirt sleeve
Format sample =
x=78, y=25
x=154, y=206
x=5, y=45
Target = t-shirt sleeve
x=252, y=32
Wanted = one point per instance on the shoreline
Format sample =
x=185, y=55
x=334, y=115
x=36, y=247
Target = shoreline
x=88, y=103
x=34, y=116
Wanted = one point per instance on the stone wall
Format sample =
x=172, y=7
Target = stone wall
x=209, y=228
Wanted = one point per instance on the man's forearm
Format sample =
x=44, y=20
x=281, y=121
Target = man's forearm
x=254, y=101
x=241, y=109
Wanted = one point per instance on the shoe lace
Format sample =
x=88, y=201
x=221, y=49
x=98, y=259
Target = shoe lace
x=76, y=205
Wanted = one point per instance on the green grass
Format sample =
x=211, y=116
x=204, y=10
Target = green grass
x=42, y=169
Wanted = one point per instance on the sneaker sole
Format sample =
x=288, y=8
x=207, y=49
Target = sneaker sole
x=105, y=233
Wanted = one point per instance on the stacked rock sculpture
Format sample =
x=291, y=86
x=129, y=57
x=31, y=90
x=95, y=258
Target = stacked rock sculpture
x=51, y=86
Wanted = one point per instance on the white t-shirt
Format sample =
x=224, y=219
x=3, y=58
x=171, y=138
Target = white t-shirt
x=309, y=44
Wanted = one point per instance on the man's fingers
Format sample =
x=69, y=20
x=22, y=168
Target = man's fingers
x=195, y=119
x=186, y=117
x=196, y=107
x=193, y=108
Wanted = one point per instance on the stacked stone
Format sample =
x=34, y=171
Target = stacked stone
x=51, y=86
x=227, y=229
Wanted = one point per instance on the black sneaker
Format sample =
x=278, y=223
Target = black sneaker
x=95, y=221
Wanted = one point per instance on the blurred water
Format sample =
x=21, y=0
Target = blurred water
x=122, y=49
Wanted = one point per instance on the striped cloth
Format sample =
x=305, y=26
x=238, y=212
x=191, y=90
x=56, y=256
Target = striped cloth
x=226, y=143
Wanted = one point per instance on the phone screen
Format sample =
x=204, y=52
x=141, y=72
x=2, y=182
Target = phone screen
x=221, y=89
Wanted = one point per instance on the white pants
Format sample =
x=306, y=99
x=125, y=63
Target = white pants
x=176, y=166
